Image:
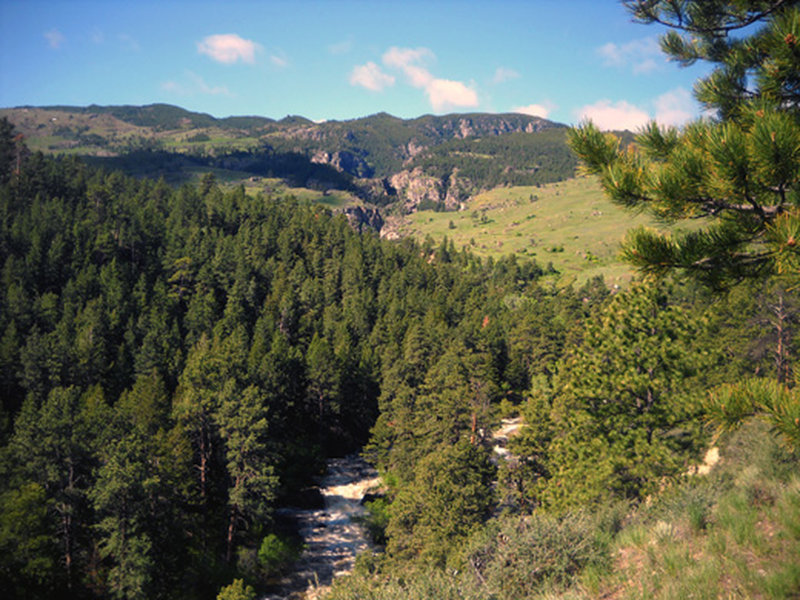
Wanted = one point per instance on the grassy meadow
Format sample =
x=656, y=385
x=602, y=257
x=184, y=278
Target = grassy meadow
x=570, y=224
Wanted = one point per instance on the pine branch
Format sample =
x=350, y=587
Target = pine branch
x=650, y=11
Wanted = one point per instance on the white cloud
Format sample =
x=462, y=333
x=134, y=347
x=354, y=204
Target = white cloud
x=228, y=48
x=639, y=55
x=55, y=38
x=535, y=110
x=411, y=62
x=442, y=93
x=371, y=77
x=675, y=108
x=279, y=60
x=192, y=85
x=503, y=74
x=618, y=116
x=402, y=57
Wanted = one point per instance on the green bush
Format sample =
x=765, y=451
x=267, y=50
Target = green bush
x=521, y=556
x=275, y=553
x=237, y=590
x=376, y=520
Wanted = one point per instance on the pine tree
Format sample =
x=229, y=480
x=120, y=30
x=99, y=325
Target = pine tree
x=622, y=413
x=739, y=171
x=242, y=421
x=52, y=451
x=450, y=496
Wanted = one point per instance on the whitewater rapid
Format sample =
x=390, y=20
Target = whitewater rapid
x=332, y=536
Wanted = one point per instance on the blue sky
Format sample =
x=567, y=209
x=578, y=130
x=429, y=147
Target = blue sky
x=341, y=59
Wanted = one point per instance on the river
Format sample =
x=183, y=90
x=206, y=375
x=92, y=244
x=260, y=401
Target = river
x=331, y=535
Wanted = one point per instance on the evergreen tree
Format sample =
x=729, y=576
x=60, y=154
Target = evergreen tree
x=53, y=452
x=622, y=413
x=142, y=480
x=451, y=495
x=740, y=170
x=8, y=149
x=242, y=421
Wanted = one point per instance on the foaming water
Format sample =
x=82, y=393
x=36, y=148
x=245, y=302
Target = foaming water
x=331, y=534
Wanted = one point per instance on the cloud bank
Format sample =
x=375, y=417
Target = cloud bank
x=412, y=63
x=228, y=48
x=674, y=108
x=617, y=115
x=535, y=110
x=442, y=93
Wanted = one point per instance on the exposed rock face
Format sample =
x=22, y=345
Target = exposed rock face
x=459, y=189
x=361, y=217
x=415, y=187
x=413, y=148
x=344, y=161
x=474, y=125
x=392, y=228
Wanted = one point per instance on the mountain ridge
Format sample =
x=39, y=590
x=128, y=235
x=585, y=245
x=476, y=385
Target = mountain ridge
x=434, y=160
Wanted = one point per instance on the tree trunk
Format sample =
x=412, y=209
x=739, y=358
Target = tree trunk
x=781, y=329
x=229, y=540
x=66, y=523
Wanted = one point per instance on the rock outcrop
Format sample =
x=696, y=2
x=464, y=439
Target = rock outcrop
x=415, y=188
x=344, y=161
x=361, y=217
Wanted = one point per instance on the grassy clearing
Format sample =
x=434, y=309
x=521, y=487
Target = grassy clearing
x=571, y=224
x=734, y=533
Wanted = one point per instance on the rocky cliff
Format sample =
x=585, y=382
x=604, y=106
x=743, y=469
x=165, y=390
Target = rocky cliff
x=415, y=188
x=364, y=217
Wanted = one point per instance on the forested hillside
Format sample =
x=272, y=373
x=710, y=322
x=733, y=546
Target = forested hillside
x=177, y=363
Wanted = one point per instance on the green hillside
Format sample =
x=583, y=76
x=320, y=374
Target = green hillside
x=571, y=224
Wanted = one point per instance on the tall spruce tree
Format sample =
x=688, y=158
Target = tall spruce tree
x=738, y=170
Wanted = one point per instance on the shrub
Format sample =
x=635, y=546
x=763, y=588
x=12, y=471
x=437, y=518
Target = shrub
x=519, y=556
x=376, y=520
x=237, y=591
x=691, y=503
x=275, y=552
